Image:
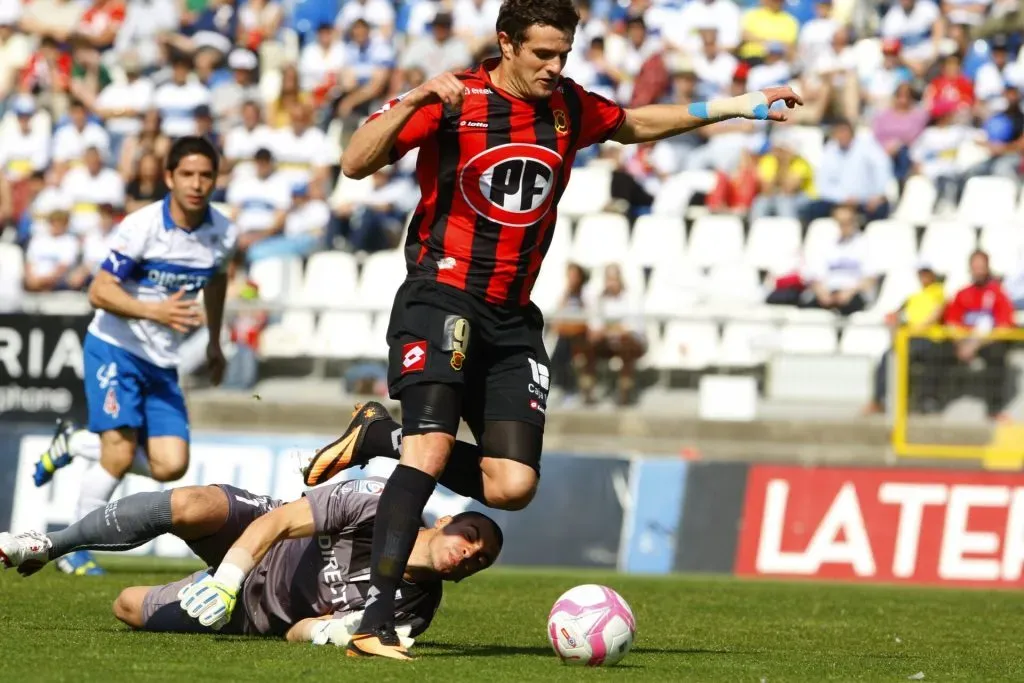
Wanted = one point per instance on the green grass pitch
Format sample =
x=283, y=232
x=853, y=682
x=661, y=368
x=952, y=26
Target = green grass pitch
x=491, y=628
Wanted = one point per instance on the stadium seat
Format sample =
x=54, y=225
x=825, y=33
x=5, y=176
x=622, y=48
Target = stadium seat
x=600, y=238
x=734, y=285
x=821, y=234
x=747, y=344
x=383, y=272
x=277, y=278
x=654, y=342
x=892, y=244
x=351, y=190
x=897, y=285
x=1003, y=244
x=809, y=140
x=956, y=280
x=12, y=274
x=376, y=343
x=946, y=245
x=809, y=338
x=865, y=340
x=561, y=242
x=688, y=346
x=342, y=335
x=550, y=287
x=774, y=244
x=673, y=289
x=589, y=190
x=676, y=193
x=716, y=240
x=917, y=201
x=867, y=53
x=656, y=239
x=987, y=199
x=793, y=314
x=330, y=280
x=291, y=337
x=632, y=279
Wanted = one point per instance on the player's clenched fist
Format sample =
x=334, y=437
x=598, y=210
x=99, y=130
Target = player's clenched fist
x=445, y=88
x=209, y=601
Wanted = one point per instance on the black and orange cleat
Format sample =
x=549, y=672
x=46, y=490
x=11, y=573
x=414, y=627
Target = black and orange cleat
x=344, y=453
x=380, y=642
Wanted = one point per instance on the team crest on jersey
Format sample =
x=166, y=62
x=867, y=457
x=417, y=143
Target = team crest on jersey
x=110, y=405
x=561, y=123
x=511, y=184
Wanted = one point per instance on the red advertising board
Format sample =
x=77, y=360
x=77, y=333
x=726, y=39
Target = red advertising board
x=891, y=525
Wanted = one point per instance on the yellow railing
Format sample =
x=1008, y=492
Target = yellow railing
x=1004, y=447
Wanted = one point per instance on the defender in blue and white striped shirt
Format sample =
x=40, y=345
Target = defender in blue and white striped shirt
x=160, y=258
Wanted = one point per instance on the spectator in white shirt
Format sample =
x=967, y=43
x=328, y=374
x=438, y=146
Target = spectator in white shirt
x=722, y=16
x=918, y=25
x=626, y=60
x=844, y=278
x=301, y=150
x=73, y=138
x=89, y=185
x=374, y=221
x=474, y=22
x=990, y=78
x=228, y=97
x=773, y=71
x=713, y=65
x=816, y=34
x=121, y=105
x=141, y=35
x=177, y=100
x=854, y=169
x=378, y=14
x=615, y=330
x=95, y=249
x=51, y=255
x=364, y=78
x=23, y=151
x=259, y=203
x=934, y=153
x=304, y=227
x=439, y=50
x=321, y=60
x=242, y=141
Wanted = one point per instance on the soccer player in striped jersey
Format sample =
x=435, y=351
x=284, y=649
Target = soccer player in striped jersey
x=496, y=147
x=161, y=257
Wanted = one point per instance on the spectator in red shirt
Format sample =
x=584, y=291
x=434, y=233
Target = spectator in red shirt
x=951, y=85
x=49, y=69
x=100, y=23
x=978, y=309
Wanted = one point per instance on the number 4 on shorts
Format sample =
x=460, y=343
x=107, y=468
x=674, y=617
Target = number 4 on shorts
x=540, y=373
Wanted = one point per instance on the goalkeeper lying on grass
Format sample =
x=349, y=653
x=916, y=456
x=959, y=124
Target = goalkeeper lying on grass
x=299, y=570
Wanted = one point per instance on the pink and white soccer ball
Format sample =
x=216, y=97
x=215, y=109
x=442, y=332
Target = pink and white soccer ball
x=591, y=625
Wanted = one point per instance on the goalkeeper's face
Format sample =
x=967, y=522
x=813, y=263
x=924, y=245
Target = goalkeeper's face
x=464, y=545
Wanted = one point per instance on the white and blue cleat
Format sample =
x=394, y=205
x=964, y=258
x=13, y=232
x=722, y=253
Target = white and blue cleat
x=58, y=455
x=80, y=563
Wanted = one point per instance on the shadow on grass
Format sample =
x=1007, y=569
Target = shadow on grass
x=495, y=650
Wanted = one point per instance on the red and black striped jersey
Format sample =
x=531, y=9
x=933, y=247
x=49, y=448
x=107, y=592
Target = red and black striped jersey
x=490, y=177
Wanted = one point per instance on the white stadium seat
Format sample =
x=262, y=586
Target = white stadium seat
x=676, y=193
x=716, y=240
x=810, y=140
x=673, y=289
x=657, y=239
x=1003, y=244
x=376, y=346
x=351, y=189
x=746, y=344
x=383, y=272
x=589, y=190
x=892, y=244
x=774, y=244
x=561, y=242
x=277, y=278
x=865, y=340
x=946, y=245
x=654, y=342
x=12, y=274
x=550, y=287
x=734, y=284
x=343, y=335
x=808, y=338
x=822, y=233
x=330, y=280
x=291, y=337
x=688, y=346
x=896, y=287
x=917, y=201
x=600, y=238
x=987, y=199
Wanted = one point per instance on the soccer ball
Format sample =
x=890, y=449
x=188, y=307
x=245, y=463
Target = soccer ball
x=591, y=625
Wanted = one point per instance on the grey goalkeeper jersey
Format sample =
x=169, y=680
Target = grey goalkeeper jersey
x=330, y=572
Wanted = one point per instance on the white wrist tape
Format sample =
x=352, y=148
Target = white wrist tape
x=233, y=569
x=751, y=105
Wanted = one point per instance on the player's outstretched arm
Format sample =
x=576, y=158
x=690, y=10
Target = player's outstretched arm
x=368, y=149
x=658, y=121
x=106, y=293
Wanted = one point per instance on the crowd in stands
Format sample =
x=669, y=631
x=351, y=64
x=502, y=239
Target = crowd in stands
x=93, y=91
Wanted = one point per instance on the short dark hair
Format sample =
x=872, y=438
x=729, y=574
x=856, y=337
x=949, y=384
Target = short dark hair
x=470, y=514
x=516, y=16
x=263, y=154
x=187, y=146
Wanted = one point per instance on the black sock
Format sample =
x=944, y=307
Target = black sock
x=462, y=474
x=394, y=533
x=121, y=525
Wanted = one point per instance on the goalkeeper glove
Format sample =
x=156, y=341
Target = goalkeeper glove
x=210, y=601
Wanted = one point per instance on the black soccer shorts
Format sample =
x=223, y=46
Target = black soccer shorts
x=438, y=334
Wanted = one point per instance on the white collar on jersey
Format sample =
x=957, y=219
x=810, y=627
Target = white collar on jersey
x=169, y=223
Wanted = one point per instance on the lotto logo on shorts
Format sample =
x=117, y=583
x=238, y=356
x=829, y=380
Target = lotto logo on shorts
x=414, y=357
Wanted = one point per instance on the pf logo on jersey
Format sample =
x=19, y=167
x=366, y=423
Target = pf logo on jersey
x=511, y=184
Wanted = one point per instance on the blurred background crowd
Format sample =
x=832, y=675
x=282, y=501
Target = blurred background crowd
x=696, y=252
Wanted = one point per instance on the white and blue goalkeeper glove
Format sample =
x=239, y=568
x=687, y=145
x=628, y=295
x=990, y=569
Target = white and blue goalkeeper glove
x=209, y=600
